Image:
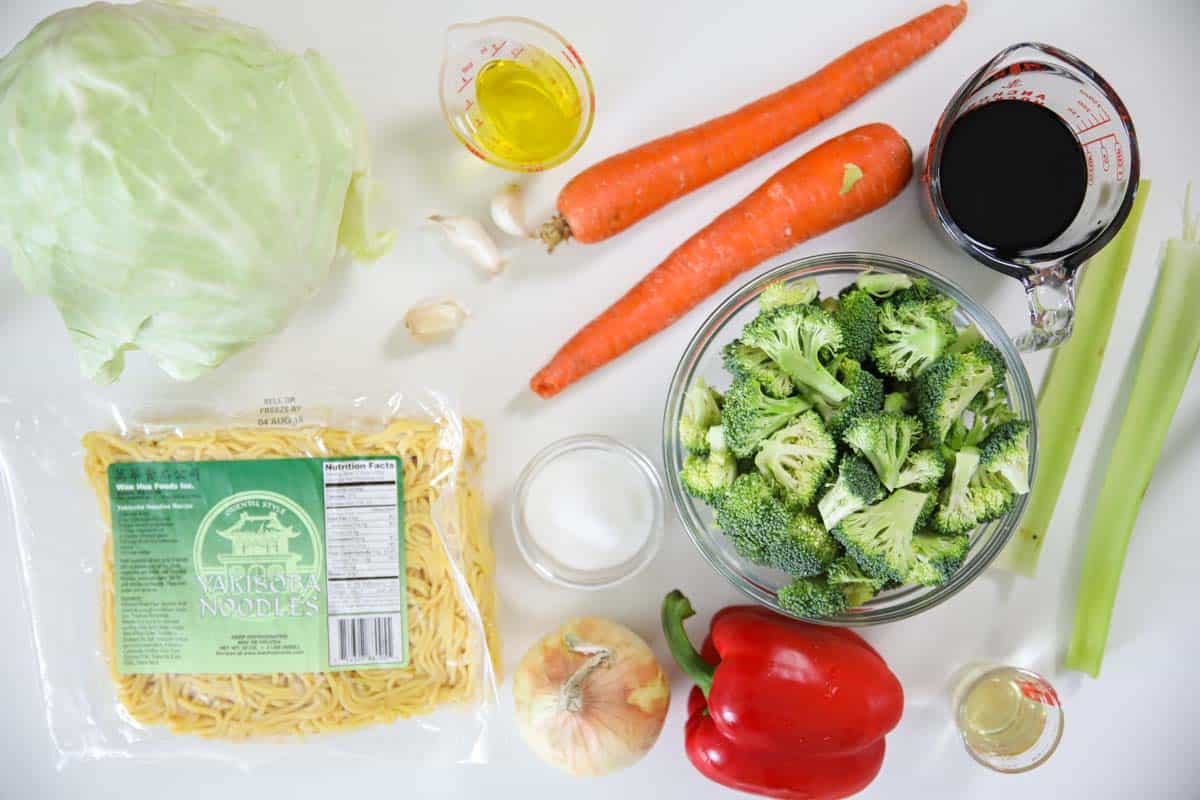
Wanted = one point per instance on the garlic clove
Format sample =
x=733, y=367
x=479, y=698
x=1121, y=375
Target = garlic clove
x=434, y=319
x=508, y=211
x=469, y=236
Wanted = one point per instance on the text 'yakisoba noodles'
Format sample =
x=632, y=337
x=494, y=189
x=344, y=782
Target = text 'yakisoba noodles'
x=448, y=572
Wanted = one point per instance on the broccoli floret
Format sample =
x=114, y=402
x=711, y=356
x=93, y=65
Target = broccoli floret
x=992, y=403
x=701, y=410
x=879, y=537
x=857, y=486
x=911, y=337
x=897, y=289
x=707, y=477
x=988, y=352
x=936, y=558
x=1006, y=453
x=885, y=440
x=750, y=415
x=806, y=548
x=812, y=597
x=716, y=438
x=857, y=586
x=923, y=470
x=995, y=496
x=798, y=457
x=930, y=508
x=970, y=500
x=968, y=337
x=987, y=410
x=797, y=338
x=858, y=316
x=882, y=284
x=745, y=361
x=782, y=293
x=898, y=403
x=842, y=587
x=946, y=389
x=922, y=291
x=866, y=397
x=752, y=516
x=956, y=512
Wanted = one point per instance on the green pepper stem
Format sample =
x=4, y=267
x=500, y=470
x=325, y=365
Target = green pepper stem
x=675, y=609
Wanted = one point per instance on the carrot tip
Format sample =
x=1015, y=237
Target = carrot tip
x=544, y=388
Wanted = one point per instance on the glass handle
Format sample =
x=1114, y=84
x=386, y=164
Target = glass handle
x=1051, y=296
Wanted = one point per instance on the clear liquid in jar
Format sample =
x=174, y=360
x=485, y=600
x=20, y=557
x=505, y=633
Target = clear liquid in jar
x=998, y=719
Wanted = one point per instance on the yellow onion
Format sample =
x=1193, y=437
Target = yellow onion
x=590, y=697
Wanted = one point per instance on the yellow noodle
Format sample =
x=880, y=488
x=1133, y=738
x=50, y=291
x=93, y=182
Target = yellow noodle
x=446, y=541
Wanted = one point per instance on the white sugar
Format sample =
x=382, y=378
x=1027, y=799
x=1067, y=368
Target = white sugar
x=589, y=509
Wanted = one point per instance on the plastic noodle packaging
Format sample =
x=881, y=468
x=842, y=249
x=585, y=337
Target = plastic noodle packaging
x=262, y=580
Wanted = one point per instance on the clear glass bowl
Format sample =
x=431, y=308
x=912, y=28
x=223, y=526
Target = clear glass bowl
x=543, y=562
x=703, y=359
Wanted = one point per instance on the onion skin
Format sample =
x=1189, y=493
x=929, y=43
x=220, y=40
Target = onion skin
x=609, y=716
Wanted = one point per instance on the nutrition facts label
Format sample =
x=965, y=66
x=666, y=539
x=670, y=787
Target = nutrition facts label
x=364, y=561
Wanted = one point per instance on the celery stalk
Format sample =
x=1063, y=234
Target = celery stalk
x=1171, y=344
x=1067, y=389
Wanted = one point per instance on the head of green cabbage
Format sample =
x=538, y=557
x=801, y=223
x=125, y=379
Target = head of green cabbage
x=174, y=182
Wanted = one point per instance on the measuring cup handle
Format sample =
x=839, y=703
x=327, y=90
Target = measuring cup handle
x=1051, y=296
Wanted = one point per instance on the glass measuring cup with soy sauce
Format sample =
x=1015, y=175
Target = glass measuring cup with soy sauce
x=1032, y=169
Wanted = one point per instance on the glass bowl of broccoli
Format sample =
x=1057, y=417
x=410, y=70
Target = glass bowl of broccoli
x=850, y=438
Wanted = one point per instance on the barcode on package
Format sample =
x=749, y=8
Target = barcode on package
x=364, y=640
x=364, y=538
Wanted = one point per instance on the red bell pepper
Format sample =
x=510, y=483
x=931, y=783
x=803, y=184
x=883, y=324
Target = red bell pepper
x=792, y=710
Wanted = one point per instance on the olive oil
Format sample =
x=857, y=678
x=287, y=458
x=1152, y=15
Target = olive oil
x=528, y=108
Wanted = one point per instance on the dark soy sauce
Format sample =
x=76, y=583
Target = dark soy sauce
x=1013, y=175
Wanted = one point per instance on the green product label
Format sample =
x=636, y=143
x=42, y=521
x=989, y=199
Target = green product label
x=282, y=565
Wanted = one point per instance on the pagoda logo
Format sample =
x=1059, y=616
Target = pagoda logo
x=258, y=556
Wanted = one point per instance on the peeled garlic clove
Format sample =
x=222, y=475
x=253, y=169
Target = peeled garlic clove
x=469, y=236
x=434, y=319
x=508, y=211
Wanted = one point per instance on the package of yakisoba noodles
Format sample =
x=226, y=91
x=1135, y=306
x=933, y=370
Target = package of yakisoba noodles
x=221, y=585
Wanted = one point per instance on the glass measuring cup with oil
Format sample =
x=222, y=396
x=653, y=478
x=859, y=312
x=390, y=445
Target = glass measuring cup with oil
x=516, y=93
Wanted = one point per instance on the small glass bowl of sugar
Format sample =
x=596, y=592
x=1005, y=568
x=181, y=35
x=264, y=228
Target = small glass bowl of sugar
x=587, y=512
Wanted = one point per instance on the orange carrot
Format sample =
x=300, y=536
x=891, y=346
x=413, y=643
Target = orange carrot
x=805, y=198
x=608, y=197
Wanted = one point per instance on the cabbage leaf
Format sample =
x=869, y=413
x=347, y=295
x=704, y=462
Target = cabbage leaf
x=175, y=182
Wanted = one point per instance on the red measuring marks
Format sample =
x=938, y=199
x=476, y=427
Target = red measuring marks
x=468, y=75
x=571, y=57
x=1086, y=114
x=486, y=51
x=1107, y=153
x=1103, y=151
x=1040, y=693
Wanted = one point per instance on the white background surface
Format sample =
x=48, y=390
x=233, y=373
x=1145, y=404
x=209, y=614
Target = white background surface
x=659, y=66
